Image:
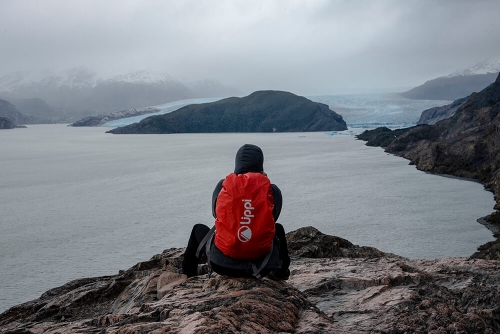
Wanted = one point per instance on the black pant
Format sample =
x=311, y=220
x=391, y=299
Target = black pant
x=190, y=262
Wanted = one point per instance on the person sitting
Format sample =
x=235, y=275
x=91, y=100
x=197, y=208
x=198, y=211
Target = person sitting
x=246, y=241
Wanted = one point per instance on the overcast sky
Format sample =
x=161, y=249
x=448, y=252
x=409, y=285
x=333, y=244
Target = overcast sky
x=306, y=47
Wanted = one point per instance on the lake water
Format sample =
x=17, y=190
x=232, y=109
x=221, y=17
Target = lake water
x=77, y=202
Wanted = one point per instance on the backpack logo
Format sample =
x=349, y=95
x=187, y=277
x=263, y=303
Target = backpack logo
x=244, y=234
x=245, y=222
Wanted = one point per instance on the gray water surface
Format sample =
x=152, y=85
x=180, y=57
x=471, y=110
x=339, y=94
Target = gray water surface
x=77, y=202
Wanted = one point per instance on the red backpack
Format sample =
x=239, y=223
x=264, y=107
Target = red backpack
x=245, y=224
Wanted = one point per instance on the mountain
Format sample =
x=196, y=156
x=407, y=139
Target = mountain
x=262, y=111
x=38, y=108
x=9, y=111
x=491, y=65
x=465, y=145
x=80, y=92
x=458, y=84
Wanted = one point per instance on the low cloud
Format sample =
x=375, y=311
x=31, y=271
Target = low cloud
x=307, y=47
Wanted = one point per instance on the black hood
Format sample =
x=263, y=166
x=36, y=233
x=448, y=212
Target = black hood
x=249, y=158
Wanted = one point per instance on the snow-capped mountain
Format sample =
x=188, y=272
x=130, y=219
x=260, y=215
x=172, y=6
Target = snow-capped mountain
x=75, y=78
x=80, y=91
x=491, y=65
x=459, y=84
x=143, y=77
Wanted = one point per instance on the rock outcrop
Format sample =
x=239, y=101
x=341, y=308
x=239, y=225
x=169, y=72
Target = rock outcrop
x=334, y=287
x=102, y=119
x=382, y=136
x=466, y=145
x=263, y=111
x=433, y=115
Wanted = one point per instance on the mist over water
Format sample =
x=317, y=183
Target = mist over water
x=76, y=202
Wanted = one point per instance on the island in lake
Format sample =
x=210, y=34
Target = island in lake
x=262, y=111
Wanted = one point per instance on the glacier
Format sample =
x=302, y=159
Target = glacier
x=359, y=111
x=164, y=109
x=391, y=110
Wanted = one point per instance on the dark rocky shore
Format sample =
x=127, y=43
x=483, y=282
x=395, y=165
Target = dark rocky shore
x=334, y=287
x=466, y=145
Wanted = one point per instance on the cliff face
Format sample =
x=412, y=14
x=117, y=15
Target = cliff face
x=264, y=111
x=334, y=287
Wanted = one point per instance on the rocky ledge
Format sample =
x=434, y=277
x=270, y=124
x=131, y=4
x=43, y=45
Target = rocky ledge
x=334, y=287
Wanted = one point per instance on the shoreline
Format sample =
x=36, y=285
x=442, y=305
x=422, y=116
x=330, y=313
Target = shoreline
x=495, y=229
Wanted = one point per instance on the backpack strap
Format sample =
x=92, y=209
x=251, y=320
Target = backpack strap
x=208, y=251
x=204, y=241
x=256, y=272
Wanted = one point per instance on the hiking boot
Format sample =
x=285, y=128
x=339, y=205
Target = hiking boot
x=279, y=275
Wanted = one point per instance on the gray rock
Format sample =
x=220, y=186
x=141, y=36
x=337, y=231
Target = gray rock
x=344, y=288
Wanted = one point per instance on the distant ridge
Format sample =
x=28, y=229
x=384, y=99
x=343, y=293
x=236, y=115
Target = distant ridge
x=80, y=92
x=262, y=111
x=459, y=84
x=10, y=112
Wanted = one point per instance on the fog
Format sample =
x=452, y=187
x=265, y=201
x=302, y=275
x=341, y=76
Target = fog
x=307, y=47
